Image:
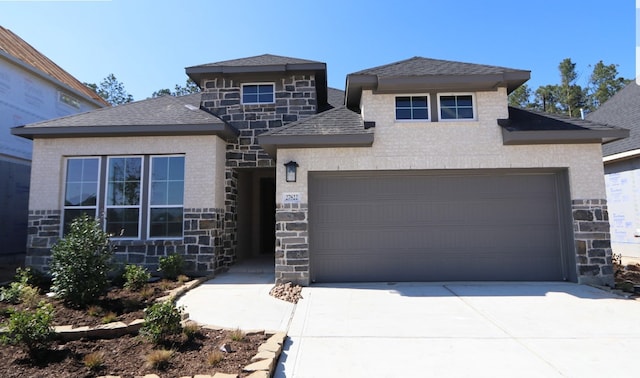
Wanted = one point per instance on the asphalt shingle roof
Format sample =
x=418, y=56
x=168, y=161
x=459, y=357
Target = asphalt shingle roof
x=419, y=66
x=165, y=110
x=621, y=110
x=338, y=121
x=258, y=60
x=532, y=120
x=13, y=45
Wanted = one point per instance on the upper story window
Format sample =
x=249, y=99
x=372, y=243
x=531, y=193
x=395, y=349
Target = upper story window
x=456, y=107
x=412, y=108
x=258, y=93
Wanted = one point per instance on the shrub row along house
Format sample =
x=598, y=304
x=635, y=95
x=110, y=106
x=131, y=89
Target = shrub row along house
x=418, y=171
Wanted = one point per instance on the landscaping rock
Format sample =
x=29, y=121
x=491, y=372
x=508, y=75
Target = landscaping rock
x=287, y=292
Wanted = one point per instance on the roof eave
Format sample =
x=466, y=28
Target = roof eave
x=514, y=138
x=223, y=130
x=271, y=143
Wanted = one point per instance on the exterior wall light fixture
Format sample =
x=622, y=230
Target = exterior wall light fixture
x=291, y=171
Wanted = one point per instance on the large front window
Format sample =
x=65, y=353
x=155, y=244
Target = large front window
x=143, y=195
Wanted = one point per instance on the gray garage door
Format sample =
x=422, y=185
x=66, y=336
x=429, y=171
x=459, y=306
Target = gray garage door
x=477, y=225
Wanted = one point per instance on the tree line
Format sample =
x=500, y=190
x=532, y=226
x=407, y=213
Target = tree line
x=568, y=97
x=114, y=92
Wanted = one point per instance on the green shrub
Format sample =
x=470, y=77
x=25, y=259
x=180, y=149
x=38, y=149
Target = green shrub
x=32, y=329
x=135, y=277
x=80, y=262
x=31, y=276
x=20, y=291
x=171, y=266
x=161, y=320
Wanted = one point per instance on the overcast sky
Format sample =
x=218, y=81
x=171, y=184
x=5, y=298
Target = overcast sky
x=148, y=43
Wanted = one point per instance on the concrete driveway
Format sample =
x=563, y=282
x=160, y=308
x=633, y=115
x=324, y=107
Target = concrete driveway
x=461, y=330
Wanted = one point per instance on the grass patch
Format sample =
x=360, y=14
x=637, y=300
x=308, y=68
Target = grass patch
x=109, y=317
x=214, y=358
x=93, y=361
x=237, y=335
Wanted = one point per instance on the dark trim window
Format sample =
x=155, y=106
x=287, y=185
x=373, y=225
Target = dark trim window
x=456, y=107
x=81, y=189
x=412, y=108
x=143, y=195
x=258, y=93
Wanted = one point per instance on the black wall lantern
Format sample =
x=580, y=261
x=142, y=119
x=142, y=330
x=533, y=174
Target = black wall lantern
x=291, y=169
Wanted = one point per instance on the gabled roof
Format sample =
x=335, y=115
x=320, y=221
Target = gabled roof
x=166, y=115
x=20, y=52
x=420, y=74
x=525, y=126
x=339, y=127
x=261, y=65
x=622, y=110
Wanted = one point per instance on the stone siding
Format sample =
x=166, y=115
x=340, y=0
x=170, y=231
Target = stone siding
x=292, y=244
x=592, y=241
x=295, y=99
x=201, y=245
x=43, y=232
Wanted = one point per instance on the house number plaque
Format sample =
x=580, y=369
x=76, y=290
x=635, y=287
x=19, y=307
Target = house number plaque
x=291, y=197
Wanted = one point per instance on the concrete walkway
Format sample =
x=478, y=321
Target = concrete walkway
x=239, y=299
x=461, y=330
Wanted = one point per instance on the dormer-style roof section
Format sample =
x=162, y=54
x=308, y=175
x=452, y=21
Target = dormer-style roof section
x=263, y=65
x=622, y=110
x=166, y=115
x=16, y=50
x=526, y=126
x=420, y=74
x=339, y=127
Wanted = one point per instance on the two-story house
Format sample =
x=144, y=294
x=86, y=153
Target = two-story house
x=32, y=88
x=419, y=171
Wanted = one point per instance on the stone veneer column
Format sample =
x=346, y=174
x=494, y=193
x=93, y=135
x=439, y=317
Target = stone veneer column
x=592, y=241
x=292, y=244
x=43, y=232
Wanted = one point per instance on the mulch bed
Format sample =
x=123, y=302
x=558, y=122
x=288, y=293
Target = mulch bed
x=124, y=356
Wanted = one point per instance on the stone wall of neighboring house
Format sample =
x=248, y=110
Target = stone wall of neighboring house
x=458, y=145
x=295, y=100
x=202, y=244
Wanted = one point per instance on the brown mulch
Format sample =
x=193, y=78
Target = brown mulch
x=126, y=304
x=125, y=357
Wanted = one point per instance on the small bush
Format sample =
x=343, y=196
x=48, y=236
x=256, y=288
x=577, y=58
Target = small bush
x=190, y=331
x=159, y=358
x=161, y=320
x=94, y=361
x=237, y=335
x=171, y=266
x=94, y=311
x=182, y=278
x=20, y=291
x=32, y=329
x=80, y=262
x=109, y=317
x=31, y=276
x=135, y=277
x=215, y=358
